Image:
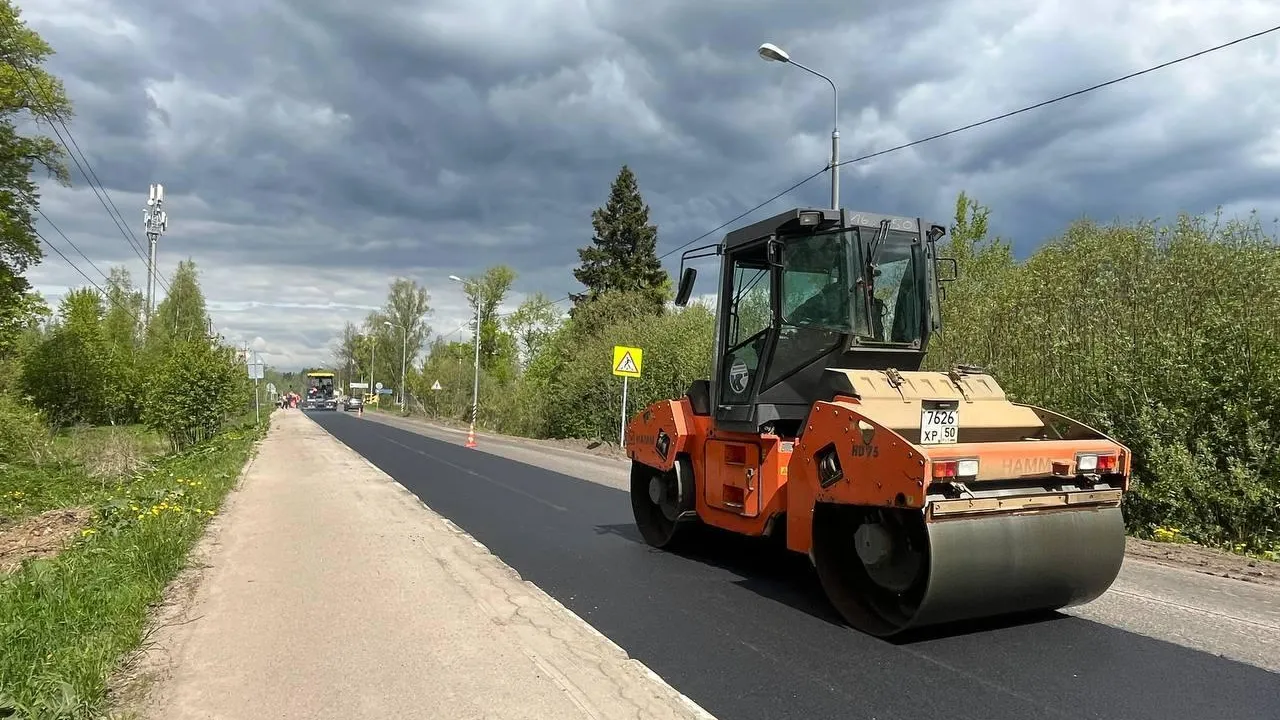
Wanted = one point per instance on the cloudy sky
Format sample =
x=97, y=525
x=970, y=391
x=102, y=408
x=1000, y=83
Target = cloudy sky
x=312, y=150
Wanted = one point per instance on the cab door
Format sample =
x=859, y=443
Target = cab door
x=744, y=329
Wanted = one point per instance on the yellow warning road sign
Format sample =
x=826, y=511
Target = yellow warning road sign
x=627, y=360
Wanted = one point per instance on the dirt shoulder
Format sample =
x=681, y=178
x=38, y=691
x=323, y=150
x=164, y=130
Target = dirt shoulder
x=1205, y=560
x=327, y=590
x=1210, y=561
x=43, y=535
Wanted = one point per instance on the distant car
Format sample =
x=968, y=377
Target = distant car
x=353, y=403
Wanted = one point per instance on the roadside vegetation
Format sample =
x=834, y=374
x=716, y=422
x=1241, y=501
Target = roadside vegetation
x=119, y=438
x=1162, y=334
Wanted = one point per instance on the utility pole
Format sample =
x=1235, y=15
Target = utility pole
x=156, y=222
x=257, y=370
x=475, y=385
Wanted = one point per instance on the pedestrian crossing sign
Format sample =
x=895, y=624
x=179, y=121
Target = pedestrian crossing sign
x=627, y=361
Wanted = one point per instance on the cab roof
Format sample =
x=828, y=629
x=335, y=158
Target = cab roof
x=790, y=221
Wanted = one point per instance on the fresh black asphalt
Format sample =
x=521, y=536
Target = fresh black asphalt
x=745, y=632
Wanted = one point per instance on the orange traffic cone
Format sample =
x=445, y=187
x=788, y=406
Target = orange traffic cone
x=471, y=438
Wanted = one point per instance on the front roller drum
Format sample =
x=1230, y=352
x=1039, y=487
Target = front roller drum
x=663, y=503
x=886, y=570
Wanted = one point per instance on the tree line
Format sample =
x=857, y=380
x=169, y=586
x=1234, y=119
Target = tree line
x=1162, y=334
x=93, y=359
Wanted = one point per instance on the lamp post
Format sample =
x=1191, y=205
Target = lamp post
x=475, y=386
x=773, y=53
x=404, y=344
x=373, y=354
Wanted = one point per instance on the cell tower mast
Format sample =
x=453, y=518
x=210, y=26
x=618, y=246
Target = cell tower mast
x=156, y=222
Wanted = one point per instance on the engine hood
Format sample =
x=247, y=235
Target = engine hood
x=895, y=399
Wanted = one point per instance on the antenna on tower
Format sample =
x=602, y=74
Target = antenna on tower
x=156, y=222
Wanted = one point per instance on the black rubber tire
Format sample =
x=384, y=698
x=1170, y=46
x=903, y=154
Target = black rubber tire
x=667, y=522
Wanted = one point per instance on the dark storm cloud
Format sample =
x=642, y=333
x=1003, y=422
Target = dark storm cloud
x=313, y=144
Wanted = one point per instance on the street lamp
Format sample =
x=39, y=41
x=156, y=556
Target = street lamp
x=404, y=344
x=773, y=53
x=373, y=353
x=475, y=386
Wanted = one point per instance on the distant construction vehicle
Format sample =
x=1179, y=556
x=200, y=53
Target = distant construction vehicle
x=320, y=391
x=920, y=497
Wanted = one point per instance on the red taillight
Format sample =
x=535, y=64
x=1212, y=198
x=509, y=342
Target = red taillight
x=1096, y=463
x=958, y=468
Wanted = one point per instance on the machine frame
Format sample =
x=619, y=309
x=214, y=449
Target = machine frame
x=834, y=450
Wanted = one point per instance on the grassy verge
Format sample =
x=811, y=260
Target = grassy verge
x=82, y=468
x=66, y=621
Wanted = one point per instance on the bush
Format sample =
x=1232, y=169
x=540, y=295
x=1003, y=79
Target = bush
x=24, y=434
x=1163, y=336
x=571, y=391
x=195, y=389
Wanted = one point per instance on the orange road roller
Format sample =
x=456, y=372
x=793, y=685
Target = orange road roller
x=920, y=497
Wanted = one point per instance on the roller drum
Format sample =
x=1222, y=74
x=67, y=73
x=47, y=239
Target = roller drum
x=909, y=574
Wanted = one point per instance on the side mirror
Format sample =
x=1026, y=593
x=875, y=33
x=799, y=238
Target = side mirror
x=773, y=253
x=686, y=286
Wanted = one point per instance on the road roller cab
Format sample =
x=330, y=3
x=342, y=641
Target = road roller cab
x=921, y=497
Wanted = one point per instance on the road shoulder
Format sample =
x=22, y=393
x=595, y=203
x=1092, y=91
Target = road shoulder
x=326, y=589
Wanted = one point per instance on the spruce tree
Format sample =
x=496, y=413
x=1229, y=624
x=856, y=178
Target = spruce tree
x=623, y=256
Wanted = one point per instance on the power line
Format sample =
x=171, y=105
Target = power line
x=53, y=125
x=730, y=221
x=989, y=120
x=96, y=286
x=133, y=239
x=953, y=131
x=89, y=174
x=1060, y=98
x=72, y=244
x=90, y=177
x=742, y=214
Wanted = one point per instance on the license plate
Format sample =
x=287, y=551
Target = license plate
x=939, y=422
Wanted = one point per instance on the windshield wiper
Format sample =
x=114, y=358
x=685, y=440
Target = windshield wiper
x=876, y=241
x=869, y=275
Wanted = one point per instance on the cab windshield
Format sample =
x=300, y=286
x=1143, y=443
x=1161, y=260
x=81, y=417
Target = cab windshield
x=824, y=284
x=320, y=386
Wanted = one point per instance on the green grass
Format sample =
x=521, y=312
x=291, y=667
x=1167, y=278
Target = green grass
x=66, y=621
x=85, y=465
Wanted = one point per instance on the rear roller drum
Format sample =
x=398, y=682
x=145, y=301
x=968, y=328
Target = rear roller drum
x=662, y=502
x=886, y=570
